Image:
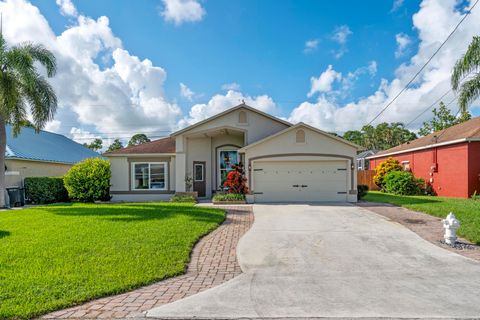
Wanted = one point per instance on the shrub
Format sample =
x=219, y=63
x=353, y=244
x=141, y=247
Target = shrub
x=429, y=191
x=228, y=197
x=89, y=180
x=383, y=169
x=41, y=190
x=183, y=198
x=403, y=183
x=361, y=191
x=236, y=181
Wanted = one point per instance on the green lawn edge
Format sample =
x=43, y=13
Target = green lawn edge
x=59, y=305
x=467, y=211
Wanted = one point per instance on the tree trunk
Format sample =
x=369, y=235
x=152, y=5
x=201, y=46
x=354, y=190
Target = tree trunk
x=3, y=146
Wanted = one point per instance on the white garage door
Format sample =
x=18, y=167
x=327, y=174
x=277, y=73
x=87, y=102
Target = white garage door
x=300, y=181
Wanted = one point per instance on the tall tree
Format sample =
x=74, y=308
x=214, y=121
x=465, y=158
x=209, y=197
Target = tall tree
x=95, y=145
x=442, y=119
x=383, y=136
x=463, y=80
x=116, y=144
x=137, y=139
x=24, y=90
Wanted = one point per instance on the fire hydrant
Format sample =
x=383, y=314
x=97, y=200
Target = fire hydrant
x=451, y=224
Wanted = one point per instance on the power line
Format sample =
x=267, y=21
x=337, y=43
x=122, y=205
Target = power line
x=425, y=65
x=429, y=107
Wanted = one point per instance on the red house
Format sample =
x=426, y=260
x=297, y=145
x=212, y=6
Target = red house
x=448, y=159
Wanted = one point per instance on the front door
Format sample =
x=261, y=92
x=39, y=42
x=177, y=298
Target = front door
x=199, y=183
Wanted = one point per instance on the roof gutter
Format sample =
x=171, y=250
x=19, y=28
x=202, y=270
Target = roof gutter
x=139, y=154
x=446, y=143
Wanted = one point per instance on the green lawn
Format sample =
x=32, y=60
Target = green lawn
x=466, y=210
x=57, y=256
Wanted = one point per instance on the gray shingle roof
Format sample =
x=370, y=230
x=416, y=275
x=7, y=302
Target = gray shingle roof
x=45, y=146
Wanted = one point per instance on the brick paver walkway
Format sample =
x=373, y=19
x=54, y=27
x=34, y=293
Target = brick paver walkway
x=213, y=261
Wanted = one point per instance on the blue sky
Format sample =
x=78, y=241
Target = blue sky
x=257, y=44
x=351, y=57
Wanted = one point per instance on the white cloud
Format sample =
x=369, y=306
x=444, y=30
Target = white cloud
x=180, y=11
x=341, y=34
x=219, y=103
x=67, y=8
x=397, y=4
x=433, y=22
x=403, y=42
x=82, y=136
x=186, y=92
x=231, y=86
x=324, y=82
x=311, y=45
x=53, y=126
x=126, y=98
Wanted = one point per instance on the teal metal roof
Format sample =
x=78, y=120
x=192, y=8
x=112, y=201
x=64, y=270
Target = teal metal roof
x=45, y=146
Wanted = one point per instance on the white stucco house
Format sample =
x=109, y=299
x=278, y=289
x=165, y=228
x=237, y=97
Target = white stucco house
x=283, y=162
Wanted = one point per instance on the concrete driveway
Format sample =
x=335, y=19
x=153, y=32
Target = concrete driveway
x=308, y=261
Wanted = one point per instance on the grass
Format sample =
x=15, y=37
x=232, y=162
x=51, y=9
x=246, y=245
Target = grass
x=56, y=256
x=228, y=197
x=466, y=210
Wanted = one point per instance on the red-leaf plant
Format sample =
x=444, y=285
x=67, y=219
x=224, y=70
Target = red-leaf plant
x=236, y=181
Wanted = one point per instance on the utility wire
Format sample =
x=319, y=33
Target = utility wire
x=428, y=108
x=425, y=65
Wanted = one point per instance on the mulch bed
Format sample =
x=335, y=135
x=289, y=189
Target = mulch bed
x=426, y=226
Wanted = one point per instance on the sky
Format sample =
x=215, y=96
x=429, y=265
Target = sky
x=155, y=66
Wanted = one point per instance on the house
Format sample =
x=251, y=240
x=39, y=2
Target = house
x=32, y=154
x=362, y=162
x=448, y=159
x=283, y=162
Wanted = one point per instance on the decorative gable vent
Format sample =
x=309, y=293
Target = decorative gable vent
x=242, y=117
x=300, y=136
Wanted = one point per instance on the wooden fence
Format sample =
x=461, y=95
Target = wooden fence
x=366, y=177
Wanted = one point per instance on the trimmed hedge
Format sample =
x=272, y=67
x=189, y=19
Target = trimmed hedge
x=183, y=198
x=362, y=191
x=403, y=183
x=41, y=190
x=89, y=180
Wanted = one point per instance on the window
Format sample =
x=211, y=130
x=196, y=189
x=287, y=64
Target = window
x=242, y=117
x=300, y=136
x=227, y=158
x=149, y=175
x=198, y=172
x=406, y=165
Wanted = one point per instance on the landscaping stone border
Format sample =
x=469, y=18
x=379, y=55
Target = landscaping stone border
x=213, y=262
x=426, y=226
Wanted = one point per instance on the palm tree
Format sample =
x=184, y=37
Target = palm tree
x=469, y=88
x=23, y=90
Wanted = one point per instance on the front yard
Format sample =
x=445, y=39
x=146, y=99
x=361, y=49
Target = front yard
x=466, y=210
x=57, y=256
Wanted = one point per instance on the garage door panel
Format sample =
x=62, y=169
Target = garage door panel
x=300, y=181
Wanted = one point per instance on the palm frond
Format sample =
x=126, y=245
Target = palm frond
x=19, y=61
x=18, y=116
x=9, y=93
x=469, y=92
x=469, y=62
x=41, y=54
x=42, y=100
x=3, y=49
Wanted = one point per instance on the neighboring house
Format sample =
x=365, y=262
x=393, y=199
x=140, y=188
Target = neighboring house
x=42, y=154
x=362, y=162
x=283, y=162
x=448, y=159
